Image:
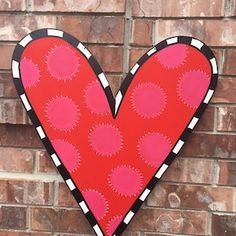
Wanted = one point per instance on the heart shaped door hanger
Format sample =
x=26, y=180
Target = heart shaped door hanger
x=111, y=151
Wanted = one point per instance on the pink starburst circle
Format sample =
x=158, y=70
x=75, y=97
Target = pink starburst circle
x=153, y=148
x=172, y=56
x=113, y=223
x=96, y=202
x=68, y=154
x=192, y=86
x=105, y=139
x=148, y=100
x=62, y=113
x=125, y=180
x=62, y=63
x=95, y=99
x=30, y=73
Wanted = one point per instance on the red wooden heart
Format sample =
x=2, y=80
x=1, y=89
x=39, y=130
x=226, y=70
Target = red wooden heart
x=111, y=151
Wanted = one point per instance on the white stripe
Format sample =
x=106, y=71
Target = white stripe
x=103, y=80
x=134, y=69
x=70, y=184
x=118, y=100
x=144, y=194
x=214, y=65
x=55, y=160
x=84, y=207
x=84, y=50
x=15, y=69
x=196, y=43
x=172, y=40
x=54, y=32
x=161, y=171
x=25, y=102
x=40, y=132
x=193, y=123
x=150, y=52
x=25, y=40
x=97, y=230
x=208, y=96
x=128, y=217
x=178, y=146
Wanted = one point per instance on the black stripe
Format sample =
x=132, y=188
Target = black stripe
x=185, y=40
x=208, y=53
x=70, y=39
x=39, y=34
x=96, y=67
x=18, y=52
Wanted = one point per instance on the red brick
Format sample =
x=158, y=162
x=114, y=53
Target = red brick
x=79, y=6
x=114, y=82
x=10, y=233
x=12, y=218
x=109, y=58
x=141, y=32
x=130, y=233
x=190, y=171
x=174, y=8
x=95, y=29
x=7, y=51
x=206, y=123
x=192, y=197
x=7, y=88
x=158, y=234
x=226, y=118
x=210, y=145
x=162, y=220
x=212, y=32
x=233, y=8
x=16, y=160
x=12, y=112
x=227, y=173
x=169, y=28
x=16, y=5
x=25, y=192
x=219, y=54
x=229, y=62
x=59, y=220
x=135, y=54
x=45, y=163
x=19, y=136
x=223, y=225
x=15, y=27
x=220, y=32
x=65, y=198
x=225, y=91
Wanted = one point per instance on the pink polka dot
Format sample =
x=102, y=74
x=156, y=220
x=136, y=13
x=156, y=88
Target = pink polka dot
x=30, y=73
x=113, y=224
x=96, y=202
x=62, y=63
x=68, y=154
x=62, y=113
x=96, y=99
x=148, y=100
x=173, y=56
x=105, y=139
x=125, y=180
x=153, y=148
x=192, y=87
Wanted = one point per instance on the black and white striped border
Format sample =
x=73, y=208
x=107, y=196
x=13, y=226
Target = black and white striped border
x=115, y=104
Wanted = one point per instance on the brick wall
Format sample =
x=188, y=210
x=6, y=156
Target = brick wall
x=197, y=195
